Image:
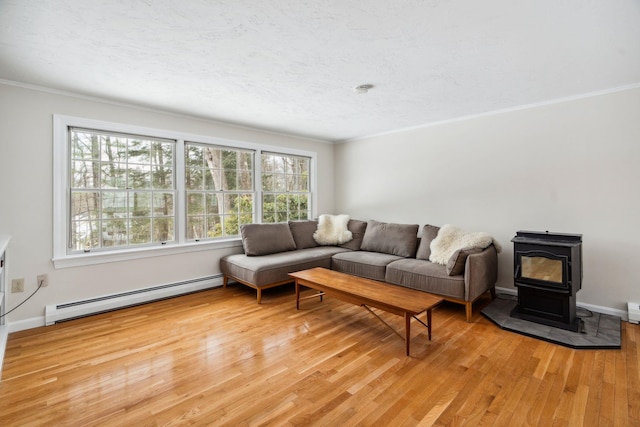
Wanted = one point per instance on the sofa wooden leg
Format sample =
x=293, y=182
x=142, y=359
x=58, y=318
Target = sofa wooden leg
x=468, y=308
x=259, y=296
x=493, y=293
x=225, y=279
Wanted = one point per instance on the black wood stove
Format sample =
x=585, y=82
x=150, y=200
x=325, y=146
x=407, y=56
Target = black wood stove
x=548, y=274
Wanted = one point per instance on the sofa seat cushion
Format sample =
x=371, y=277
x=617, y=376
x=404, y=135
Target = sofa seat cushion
x=425, y=276
x=371, y=265
x=274, y=268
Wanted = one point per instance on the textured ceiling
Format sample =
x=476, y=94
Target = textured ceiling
x=290, y=65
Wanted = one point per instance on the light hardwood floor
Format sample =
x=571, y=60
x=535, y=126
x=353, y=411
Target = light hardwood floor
x=218, y=358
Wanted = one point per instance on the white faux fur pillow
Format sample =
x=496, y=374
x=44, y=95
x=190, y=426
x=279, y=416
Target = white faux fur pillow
x=450, y=239
x=332, y=230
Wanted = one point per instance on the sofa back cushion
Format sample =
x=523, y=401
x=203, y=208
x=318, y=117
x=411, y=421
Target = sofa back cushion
x=357, y=229
x=302, y=232
x=265, y=239
x=429, y=232
x=388, y=238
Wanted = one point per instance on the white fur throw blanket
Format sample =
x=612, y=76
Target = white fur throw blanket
x=450, y=239
x=332, y=230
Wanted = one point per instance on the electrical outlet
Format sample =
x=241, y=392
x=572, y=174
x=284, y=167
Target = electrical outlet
x=17, y=285
x=43, y=280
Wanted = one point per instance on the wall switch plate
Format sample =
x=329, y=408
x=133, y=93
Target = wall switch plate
x=634, y=312
x=17, y=285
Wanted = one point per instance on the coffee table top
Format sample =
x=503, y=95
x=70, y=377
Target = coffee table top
x=369, y=291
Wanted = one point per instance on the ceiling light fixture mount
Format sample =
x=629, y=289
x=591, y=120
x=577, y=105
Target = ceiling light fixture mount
x=362, y=89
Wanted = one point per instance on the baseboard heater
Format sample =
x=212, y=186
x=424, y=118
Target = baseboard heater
x=74, y=310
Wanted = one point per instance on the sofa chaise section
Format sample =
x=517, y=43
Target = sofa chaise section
x=268, y=271
x=272, y=251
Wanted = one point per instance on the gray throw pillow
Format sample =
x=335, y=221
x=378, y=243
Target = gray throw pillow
x=357, y=229
x=265, y=239
x=456, y=263
x=429, y=232
x=302, y=232
x=389, y=238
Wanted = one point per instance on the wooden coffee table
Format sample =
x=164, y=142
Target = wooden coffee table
x=369, y=293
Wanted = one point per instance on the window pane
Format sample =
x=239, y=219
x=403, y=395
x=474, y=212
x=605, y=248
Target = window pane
x=279, y=183
x=139, y=152
x=195, y=227
x=245, y=181
x=114, y=204
x=214, y=226
x=140, y=204
x=139, y=176
x=230, y=178
x=85, y=235
x=268, y=182
x=85, y=205
x=246, y=204
x=85, y=146
x=140, y=231
x=230, y=203
x=113, y=149
x=162, y=229
x=195, y=204
x=161, y=154
x=212, y=203
x=194, y=179
x=162, y=178
x=213, y=180
x=268, y=203
x=84, y=174
x=231, y=227
x=114, y=175
x=163, y=204
x=114, y=232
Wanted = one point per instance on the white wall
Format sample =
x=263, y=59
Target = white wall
x=572, y=166
x=26, y=197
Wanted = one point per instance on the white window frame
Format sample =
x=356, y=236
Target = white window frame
x=61, y=257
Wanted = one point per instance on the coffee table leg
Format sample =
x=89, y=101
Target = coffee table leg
x=407, y=330
x=429, y=323
x=297, y=295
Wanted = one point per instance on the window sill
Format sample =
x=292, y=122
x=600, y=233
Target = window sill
x=79, y=260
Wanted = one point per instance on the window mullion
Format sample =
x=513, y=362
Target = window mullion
x=180, y=210
x=257, y=189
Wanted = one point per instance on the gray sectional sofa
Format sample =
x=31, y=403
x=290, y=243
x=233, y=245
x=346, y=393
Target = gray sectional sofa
x=388, y=252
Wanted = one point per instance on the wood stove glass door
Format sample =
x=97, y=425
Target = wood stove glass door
x=541, y=267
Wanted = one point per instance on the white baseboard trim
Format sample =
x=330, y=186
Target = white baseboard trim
x=591, y=307
x=21, y=325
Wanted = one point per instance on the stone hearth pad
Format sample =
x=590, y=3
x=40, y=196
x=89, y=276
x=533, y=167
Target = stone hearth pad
x=601, y=331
